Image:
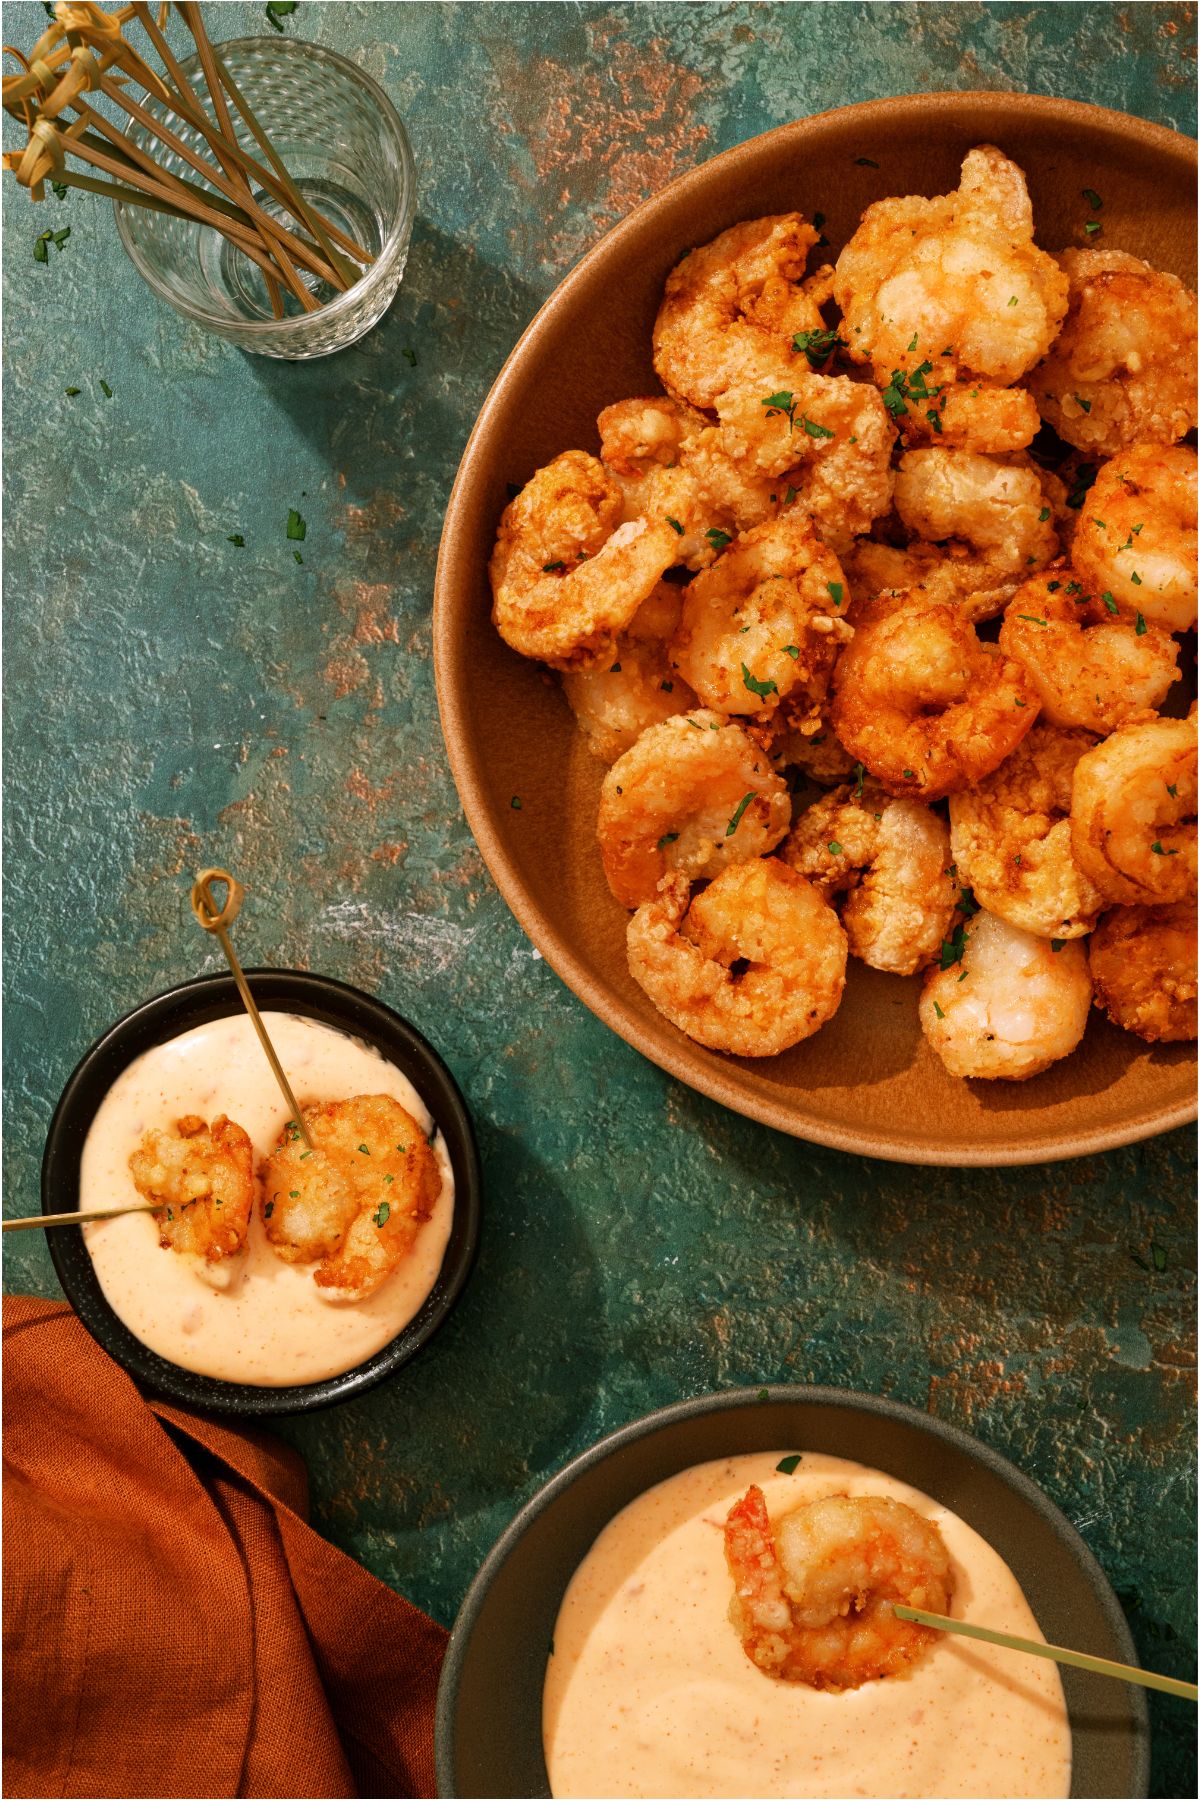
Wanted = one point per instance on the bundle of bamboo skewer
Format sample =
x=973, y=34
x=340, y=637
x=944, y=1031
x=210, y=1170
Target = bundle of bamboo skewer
x=86, y=52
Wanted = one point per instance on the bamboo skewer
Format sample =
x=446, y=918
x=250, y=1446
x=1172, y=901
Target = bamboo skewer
x=218, y=919
x=76, y=1218
x=1075, y=1659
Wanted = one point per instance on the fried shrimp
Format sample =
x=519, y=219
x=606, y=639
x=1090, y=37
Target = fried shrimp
x=567, y=575
x=755, y=964
x=1006, y=1004
x=692, y=796
x=1122, y=370
x=1143, y=961
x=949, y=298
x=202, y=1179
x=814, y=1590
x=731, y=308
x=947, y=574
x=1133, y=813
x=813, y=749
x=765, y=623
x=354, y=1203
x=891, y=859
x=615, y=703
x=1137, y=534
x=1091, y=666
x=997, y=507
x=1010, y=838
x=924, y=704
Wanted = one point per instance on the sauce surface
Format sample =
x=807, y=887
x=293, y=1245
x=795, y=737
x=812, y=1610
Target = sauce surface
x=272, y=1327
x=649, y=1692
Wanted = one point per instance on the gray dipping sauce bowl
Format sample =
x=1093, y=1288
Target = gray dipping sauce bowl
x=195, y=1003
x=489, y=1709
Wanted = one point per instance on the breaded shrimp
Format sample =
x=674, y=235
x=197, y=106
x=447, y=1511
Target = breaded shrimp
x=1137, y=534
x=692, y=796
x=354, y=1203
x=567, y=576
x=1122, y=370
x=949, y=298
x=202, y=1178
x=1006, y=1004
x=947, y=574
x=1143, y=961
x=765, y=623
x=731, y=308
x=924, y=704
x=891, y=859
x=813, y=748
x=668, y=457
x=1010, y=837
x=1091, y=666
x=615, y=703
x=996, y=506
x=814, y=1590
x=1133, y=813
x=756, y=964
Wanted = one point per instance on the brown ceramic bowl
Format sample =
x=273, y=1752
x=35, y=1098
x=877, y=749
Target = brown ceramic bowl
x=867, y=1082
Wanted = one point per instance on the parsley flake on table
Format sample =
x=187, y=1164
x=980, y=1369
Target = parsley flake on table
x=71, y=392
x=297, y=527
x=277, y=10
x=236, y=538
x=787, y=1465
x=105, y=389
x=736, y=820
x=761, y=688
x=60, y=189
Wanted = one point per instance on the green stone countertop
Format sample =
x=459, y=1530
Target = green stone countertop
x=174, y=700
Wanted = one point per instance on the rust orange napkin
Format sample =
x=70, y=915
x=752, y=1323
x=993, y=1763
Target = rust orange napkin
x=172, y=1625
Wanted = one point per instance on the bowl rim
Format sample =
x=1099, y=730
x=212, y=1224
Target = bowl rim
x=719, y=1083
x=165, y=1015
x=400, y=229
x=772, y=1393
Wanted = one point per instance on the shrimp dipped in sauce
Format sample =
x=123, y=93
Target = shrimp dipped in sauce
x=814, y=1589
x=355, y=1202
x=202, y=1179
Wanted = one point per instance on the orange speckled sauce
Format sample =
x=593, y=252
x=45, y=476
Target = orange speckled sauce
x=648, y=1691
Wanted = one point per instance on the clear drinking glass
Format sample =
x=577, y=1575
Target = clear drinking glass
x=342, y=142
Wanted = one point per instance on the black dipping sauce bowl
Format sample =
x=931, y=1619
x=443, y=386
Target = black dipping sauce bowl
x=489, y=1706
x=168, y=1016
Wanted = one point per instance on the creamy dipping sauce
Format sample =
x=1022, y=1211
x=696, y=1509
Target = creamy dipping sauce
x=649, y=1692
x=272, y=1326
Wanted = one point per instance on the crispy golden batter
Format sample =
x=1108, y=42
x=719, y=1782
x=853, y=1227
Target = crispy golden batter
x=203, y=1179
x=947, y=574
x=354, y=1203
x=891, y=859
x=1092, y=666
x=1009, y=1006
x=755, y=964
x=567, y=575
x=814, y=1590
x=692, y=796
x=615, y=703
x=1133, y=813
x=997, y=506
x=1143, y=961
x=924, y=704
x=1122, y=370
x=1010, y=837
x=1137, y=534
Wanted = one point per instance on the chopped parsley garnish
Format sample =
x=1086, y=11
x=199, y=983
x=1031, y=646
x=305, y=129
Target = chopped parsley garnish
x=835, y=849
x=1158, y=1257
x=1093, y=199
x=1043, y=515
x=1084, y=477
x=913, y=345
x=1173, y=791
x=381, y=1215
x=859, y=776
x=1139, y=626
x=668, y=837
x=268, y=1209
x=674, y=524
x=616, y=669
x=1109, y=602
x=937, y=1009
x=837, y=592
x=363, y=1150
x=1056, y=944
x=953, y=947
x=1083, y=405
x=761, y=688
x=792, y=650
x=105, y=389
x=910, y=774
x=934, y=420
x=296, y=556
x=41, y=247
x=71, y=392
x=1012, y=299
x=1136, y=579
x=515, y=803
x=787, y=1465
x=1031, y=619
x=1092, y=227
x=782, y=404
x=968, y=905
x=1159, y=851
x=389, y=1179
x=59, y=189
x=294, y=1194
x=718, y=539
x=736, y=820
x=279, y=9
x=667, y=687
x=552, y=568
x=818, y=346
x=235, y=537
x=813, y=430
x=297, y=529
x=866, y=162
x=763, y=1394
x=792, y=493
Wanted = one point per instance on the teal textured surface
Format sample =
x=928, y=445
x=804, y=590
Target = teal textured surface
x=175, y=699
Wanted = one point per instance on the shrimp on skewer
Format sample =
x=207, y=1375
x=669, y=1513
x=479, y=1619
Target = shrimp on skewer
x=354, y=1203
x=755, y=964
x=1005, y=1004
x=691, y=796
x=1092, y=666
x=1136, y=540
x=891, y=859
x=567, y=574
x=202, y=1178
x=1143, y=962
x=814, y=1590
x=1122, y=370
x=1133, y=813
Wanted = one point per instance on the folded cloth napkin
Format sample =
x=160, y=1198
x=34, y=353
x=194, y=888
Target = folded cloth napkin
x=172, y=1626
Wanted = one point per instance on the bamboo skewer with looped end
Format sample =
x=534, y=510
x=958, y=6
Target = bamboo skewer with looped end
x=218, y=919
x=1074, y=1659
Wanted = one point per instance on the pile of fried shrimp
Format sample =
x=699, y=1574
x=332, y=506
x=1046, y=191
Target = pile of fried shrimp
x=872, y=613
